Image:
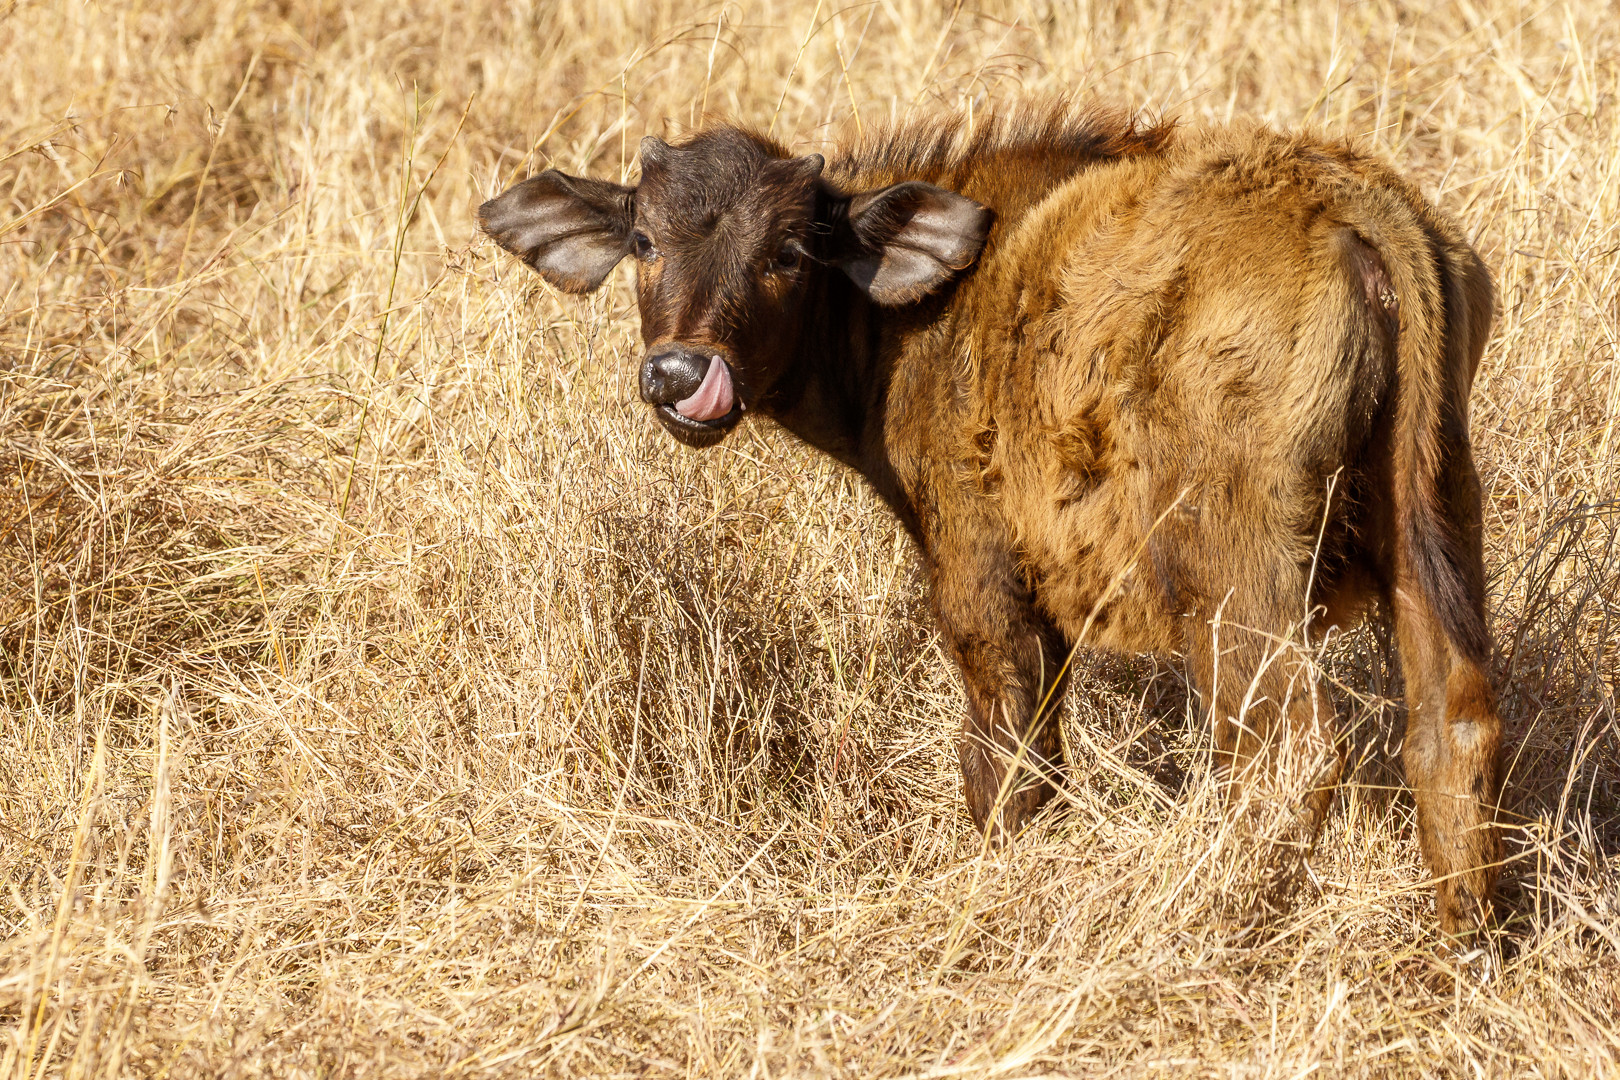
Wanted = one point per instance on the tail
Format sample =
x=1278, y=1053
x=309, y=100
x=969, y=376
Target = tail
x=1443, y=299
x=1437, y=301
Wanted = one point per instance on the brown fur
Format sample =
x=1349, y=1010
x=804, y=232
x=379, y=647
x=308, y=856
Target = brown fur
x=1197, y=384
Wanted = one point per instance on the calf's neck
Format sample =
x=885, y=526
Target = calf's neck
x=1200, y=391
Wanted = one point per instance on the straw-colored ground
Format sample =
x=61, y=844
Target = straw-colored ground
x=385, y=694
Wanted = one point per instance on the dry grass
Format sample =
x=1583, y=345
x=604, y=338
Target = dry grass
x=384, y=694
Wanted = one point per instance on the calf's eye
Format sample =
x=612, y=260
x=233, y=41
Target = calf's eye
x=644, y=246
x=789, y=256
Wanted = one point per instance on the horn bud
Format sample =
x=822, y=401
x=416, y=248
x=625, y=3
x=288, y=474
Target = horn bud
x=653, y=151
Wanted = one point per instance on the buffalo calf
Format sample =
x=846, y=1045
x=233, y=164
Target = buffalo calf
x=1200, y=391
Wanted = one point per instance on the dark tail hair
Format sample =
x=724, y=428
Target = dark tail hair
x=1445, y=303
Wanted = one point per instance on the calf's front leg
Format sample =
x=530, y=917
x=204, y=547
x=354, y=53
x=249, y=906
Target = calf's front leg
x=1014, y=669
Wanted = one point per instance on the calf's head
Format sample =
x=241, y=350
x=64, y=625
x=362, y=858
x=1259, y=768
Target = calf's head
x=730, y=238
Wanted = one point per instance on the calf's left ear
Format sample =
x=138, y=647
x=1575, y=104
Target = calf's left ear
x=906, y=240
x=573, y=231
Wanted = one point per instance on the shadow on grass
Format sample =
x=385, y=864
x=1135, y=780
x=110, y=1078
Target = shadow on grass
x=727, y=670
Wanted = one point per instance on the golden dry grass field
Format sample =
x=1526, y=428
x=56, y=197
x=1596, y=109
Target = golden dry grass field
x=385, y=694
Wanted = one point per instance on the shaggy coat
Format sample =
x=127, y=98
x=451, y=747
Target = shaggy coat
x=1199, y=391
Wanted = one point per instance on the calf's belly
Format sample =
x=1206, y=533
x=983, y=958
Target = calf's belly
x=1095, y=577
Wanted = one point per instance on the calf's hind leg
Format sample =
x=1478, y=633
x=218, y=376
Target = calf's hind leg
x=1274, y=728
x=1452, y=749
x=1451, y=755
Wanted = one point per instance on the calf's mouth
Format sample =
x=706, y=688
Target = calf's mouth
x=699, y=415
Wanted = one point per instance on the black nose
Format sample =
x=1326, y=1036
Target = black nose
x=672, y=373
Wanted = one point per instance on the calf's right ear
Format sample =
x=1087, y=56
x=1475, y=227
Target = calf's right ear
x=572, y=230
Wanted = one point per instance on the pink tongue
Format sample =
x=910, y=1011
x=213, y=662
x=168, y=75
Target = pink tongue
x=714, y=398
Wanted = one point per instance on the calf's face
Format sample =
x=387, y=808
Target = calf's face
x=729, y=238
